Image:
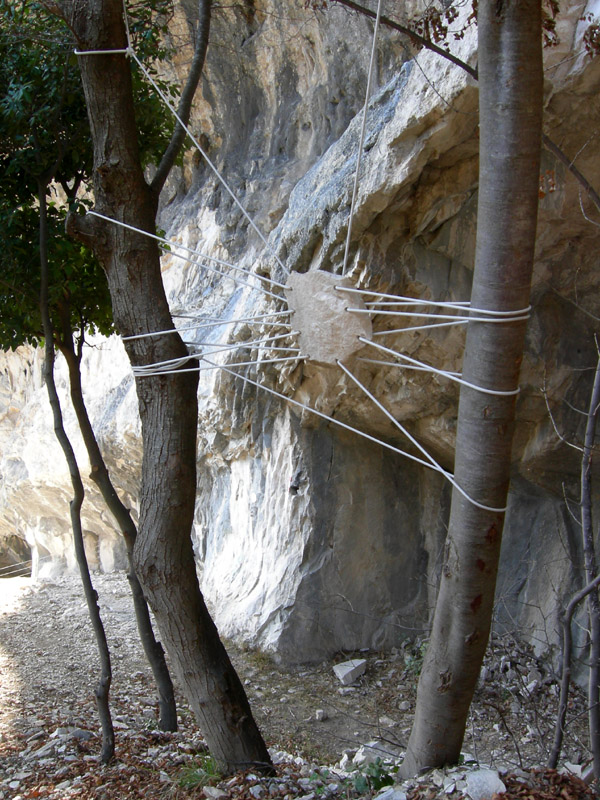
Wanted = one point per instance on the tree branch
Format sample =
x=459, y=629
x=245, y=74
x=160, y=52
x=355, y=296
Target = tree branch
x=185, y=101
x=564, y=159
x=416, y=38
x=472, y=71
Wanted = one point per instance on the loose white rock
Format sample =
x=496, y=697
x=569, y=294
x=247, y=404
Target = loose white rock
x=348, y=671
x=391, y=793
x=483, y=783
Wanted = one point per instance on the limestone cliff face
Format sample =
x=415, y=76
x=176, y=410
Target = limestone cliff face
x=311, y=538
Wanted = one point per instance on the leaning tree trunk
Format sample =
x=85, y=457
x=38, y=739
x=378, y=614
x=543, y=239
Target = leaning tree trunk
x=510, y=103
x=164, y=557
x=103, y=688
x=167, y=715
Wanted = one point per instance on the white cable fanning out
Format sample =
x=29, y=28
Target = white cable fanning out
x=421, y=327
x=322, y=415
x=377, y=312
x=208, y=160
x=443, y=373
x=418, y=301
x=213, y=321
x=169, y=244
x=257, y=320
x=364, y=435
x=224, y=275
x=179, y=361
x=433, y=463
x=362, y=137
x=400, y=366
x=137, y=374
x=399, y=297
x=509, y=316
x=269, y=348
x=243, y=345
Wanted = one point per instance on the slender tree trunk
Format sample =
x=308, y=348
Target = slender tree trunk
x=591, y=571
x=163, y=554
x=510, y=86
x=103, y=688
x=100, y=475
x=566, y=657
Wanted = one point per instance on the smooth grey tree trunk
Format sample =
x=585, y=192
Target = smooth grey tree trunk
x=510, y=104
x=163, y=554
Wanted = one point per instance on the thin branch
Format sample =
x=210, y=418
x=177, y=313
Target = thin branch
x=415, y=37
x=185, y=101
x=566, y=672
x=556, y=151
x=562, y=438
x=472, y=71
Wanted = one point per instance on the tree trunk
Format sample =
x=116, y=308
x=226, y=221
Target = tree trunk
x=591, y=572
x=163, y=553
x=510, y=103
x=103, y=688
x=100, y=475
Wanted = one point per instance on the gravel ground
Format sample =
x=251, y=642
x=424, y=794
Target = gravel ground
x=49, y=740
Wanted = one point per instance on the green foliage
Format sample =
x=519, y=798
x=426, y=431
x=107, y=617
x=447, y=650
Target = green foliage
x=44, y=136
x=79, y=294
x=318, y=778
x=413, y=660
x=203, y=772
x=43, y=118
x=374, y=777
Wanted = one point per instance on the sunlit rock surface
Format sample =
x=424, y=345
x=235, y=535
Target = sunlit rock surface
x=309, y=537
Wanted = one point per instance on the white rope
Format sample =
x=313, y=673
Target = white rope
x=495, y=316
x=207, y=159
x=244, y=345
x=124, y=51
x=362, y=137
x=212, y=324
x=416, y=300
x=321, y=414
x=126, y=22
x=443, y=373
x=270, y=349
x=212, y=321
x=422, y=327
x=400, y=366
x=174, y=362
x=214, y=366
x=171, y=362
x=376, y=312
x=214, y=271
x=433, y=463
x=170, y=244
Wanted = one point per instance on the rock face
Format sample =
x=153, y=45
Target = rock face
x=311, y=537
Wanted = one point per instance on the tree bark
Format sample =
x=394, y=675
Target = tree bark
x=591, y=572
x=163, y=554
x=103, y=688
x=510, y=103
x=101, y=477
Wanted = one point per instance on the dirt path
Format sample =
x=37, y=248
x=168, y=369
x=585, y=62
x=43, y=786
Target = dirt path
x=48, y=724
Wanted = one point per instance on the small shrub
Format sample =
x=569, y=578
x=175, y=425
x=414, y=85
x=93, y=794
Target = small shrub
x=374, y=777
x=203, y=772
